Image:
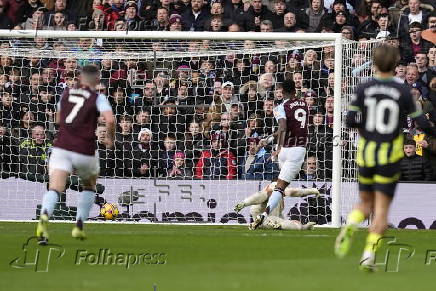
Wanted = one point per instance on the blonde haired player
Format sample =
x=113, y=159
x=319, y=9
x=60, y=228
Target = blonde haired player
x=275, y=220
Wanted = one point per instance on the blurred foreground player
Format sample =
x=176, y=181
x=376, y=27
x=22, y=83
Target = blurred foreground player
x=75, y=148
x=292, y=116
x=378, y=110
x=258, y=202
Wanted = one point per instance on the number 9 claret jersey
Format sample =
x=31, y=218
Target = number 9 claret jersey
x=296, y=113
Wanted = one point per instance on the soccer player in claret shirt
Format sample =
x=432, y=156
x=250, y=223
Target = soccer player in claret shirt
x=75, y=148
x=292, y=116
x=378, y=110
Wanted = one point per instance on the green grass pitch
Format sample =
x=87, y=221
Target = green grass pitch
x=208, y=258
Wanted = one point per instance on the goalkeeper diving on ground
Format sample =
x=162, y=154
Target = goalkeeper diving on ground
x=275, y=220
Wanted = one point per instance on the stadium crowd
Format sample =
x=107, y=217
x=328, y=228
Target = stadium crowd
x=206, y=117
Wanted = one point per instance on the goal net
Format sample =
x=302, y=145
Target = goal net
x=190, y=114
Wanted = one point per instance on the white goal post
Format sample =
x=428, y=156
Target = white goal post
x=343, y=63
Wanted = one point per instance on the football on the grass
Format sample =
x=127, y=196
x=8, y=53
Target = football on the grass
x=109, y=211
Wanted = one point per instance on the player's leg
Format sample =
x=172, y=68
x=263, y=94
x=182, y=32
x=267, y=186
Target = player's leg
x=300, y=192
x=87, y=169
x=59, y=169
x=360, y=212
x=377, y=229
x=386, y=179
x=254, y=199
x=291, y=160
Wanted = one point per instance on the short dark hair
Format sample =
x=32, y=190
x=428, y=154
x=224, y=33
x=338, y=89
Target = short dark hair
x=90, y=69
x=415, y=24
x=409, y=142
x=386, y=58
x=288, y=86
x=126, y=117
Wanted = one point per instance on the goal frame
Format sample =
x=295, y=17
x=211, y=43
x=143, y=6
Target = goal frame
x=224, y=36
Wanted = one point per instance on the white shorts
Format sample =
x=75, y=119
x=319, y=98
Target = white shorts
x=86, y=166
x=290, y=162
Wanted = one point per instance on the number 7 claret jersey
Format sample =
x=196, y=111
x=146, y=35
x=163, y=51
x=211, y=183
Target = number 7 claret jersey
x=383, y=106
x=296, y=113
x=79, y=112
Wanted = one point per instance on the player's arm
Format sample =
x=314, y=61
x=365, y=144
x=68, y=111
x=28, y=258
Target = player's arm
x=281, y=130
x=354, y=114
x=281, y=133
x=105, y=110
x=110, y=128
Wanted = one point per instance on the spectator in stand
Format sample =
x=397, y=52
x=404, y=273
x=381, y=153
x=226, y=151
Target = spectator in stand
x=216, y=8
x=237, y=12
x=315, y=12
x=161, y=22
x=168, y=121
x=289, y=23
x=27, y=118
x=260, y=12
x=216, y=23
x=106, y=156
x=415, y=43
x=228, y=131
x=268, y=116
x=430, y=33
x=149, y=95
x=250, y=98
x=133, y=21
x=36, y=21
x=119, y=103
x=97, y=21
x=144, y=154
x=179, y=169
x=223, y=103
x=257, y=163
x=310, y=170
x=142, y=120
x=413, y=166
x=9, y=116
x=413, y=13
x=278, y=13
x=34, y=153
x=217, y=162
x=424, y=72
x=61, y=6
x=58, y=22
x=193, y=143
x=5, y=21
x=30, y=7
x=347, y=32
x=369, y=27
x=196, y=18
x=400, y=72
x=412, y=77
x=166, y=156
x=114, y=13
x=123, y=147
x=266, y=26
x=328, y=106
